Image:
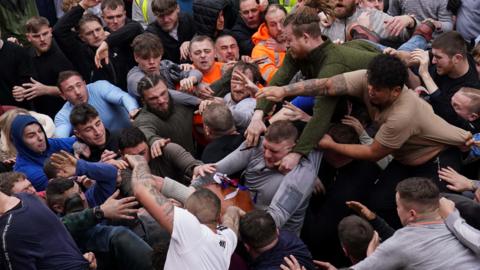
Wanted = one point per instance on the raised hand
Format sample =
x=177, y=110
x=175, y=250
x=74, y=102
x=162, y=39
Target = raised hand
x=156, y=148
x=354, y=123
x=188, y=84
x=397, y=24
x=361, y=210
x=240, y=78
x=92, y=261
x=102, y=54
x=85, y=4
x=185, y=50
x=34, y=89
x=294, y=113
x=64, y=161
x=107, y=155
x=272, y=93
x=202, y=170
x=446, y=207
x=119, y=209
x=291, y=263
x=289, y=162
x=255, y=129
x=204, y=91
x=457, y=182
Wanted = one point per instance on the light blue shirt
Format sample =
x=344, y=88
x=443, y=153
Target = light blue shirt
x=111, y=103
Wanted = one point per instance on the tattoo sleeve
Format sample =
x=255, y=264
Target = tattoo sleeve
x=334, y=86
x=142, y=182
x=313, y=87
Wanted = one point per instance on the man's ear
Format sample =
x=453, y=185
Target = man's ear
x=29, y=37
x=82, y=38
x=75, y=132
x=62, y=95
x=457, y=58
x=412, y=215
x=397, y=91
x=306, y=37
x=472, y=117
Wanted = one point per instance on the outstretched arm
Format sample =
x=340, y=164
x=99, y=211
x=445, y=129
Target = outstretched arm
x=334, y=86
x=148, y=195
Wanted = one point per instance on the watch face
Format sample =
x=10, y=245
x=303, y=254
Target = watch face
x=98, y=213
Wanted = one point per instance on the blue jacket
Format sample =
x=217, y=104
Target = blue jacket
x=111, y=103
x=29, y=162
x=105, y=176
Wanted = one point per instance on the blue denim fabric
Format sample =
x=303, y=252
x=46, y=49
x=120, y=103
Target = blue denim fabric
x=415, y=42
x=122, y=245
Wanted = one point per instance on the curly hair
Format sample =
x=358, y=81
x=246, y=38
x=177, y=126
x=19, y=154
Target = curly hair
x=386, y=71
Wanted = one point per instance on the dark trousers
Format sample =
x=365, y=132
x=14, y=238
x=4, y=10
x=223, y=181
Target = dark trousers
x=382, y=197
x=351, y=182
x=117, y=247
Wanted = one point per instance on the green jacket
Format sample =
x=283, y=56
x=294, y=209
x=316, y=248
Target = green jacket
x=13, y=18
x=79, y=221
x=325, y=61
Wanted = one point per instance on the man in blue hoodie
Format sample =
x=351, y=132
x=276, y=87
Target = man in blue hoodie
x=33, y=148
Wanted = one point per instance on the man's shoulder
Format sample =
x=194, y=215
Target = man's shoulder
x=145, y=116
x=99, y=85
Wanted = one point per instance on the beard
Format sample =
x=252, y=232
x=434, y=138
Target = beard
x=347, y=11
x=164, y=115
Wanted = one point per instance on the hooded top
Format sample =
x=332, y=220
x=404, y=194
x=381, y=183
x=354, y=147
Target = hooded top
x=29, y=162
x=205, y=14
x=274, y=60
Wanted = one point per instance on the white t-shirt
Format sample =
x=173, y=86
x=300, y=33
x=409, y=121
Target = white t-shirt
x=195, y=246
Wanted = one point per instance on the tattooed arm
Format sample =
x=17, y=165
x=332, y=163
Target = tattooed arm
x=148, y=194
x=231, y=218
x=334, y=86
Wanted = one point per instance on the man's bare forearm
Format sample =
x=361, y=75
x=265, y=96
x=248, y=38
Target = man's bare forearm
x=231, y=219
x=334, y=86
x=147, y=193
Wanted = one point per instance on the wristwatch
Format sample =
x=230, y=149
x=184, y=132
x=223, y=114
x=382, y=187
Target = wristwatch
x=98, y=213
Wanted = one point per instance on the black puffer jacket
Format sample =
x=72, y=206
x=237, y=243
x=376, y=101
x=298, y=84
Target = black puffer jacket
x=205, y=14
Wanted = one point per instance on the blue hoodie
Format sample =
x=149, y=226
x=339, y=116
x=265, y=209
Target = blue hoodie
x=29, y=162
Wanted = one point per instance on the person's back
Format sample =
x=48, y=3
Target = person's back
x=195, y=244
x=34, y=238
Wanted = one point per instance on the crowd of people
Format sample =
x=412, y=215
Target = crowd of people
x=240, y=134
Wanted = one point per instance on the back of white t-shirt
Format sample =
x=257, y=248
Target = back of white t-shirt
x=195, y=246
